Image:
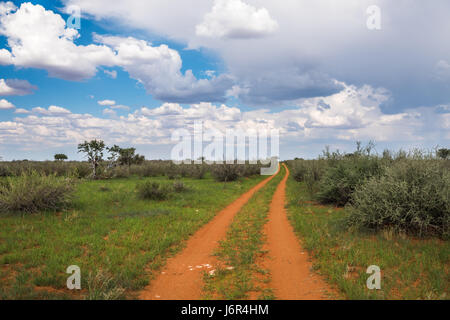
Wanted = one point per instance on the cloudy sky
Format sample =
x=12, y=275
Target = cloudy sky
x=134, y=71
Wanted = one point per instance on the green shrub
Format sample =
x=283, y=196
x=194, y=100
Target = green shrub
x=121, y=172
x=226, y=172
x=341, y=179
x=152, y=191
x=34, y=192
x=308, y=171
x=179, y=186
x=198, y=171
x=411, y=196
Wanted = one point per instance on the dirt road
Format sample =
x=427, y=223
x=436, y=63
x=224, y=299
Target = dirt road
x=286, y=260
x=181, y=278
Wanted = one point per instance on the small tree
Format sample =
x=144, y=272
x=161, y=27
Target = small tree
x=128, y=157
x=60, y=157
x=114, y=153
x=94, y=152
x=443, y=153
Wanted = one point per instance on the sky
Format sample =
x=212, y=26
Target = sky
x=132, y=72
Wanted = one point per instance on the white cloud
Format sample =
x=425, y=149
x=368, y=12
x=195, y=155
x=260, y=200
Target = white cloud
x=106, y=102
x=158, y=68
x=120, y=106
x=314, y=37
x=21, y=111
x=352, y=114
x=5, y=104
x=38, y=38
x=15, y=87
x=236, y=19
x=6, y=7
x=112, y=73
x=51, y=111
x=109, y=112
x=111, y=104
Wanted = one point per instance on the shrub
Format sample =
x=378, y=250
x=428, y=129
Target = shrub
x=152, y=191
x=198, y=171
x=308, y=171
x=121, y=172
x=226, y=172
x=179, y=186
x=411, y=196
x=341, y=179
x=34, y=192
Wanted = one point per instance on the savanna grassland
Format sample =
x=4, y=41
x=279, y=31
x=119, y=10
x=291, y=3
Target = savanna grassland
x=121, y=219
x=352, y=211
x=118, y=230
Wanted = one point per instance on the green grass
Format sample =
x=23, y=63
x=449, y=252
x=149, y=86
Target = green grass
x=238, y=274
x=411, y=268
x=109, y=233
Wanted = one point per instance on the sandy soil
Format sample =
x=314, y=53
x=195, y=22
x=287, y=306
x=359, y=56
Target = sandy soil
x=287, y=262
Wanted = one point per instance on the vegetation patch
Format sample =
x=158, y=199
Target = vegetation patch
x=127, y=238
x=411, y=268
x=412, y=196
x=34, y=192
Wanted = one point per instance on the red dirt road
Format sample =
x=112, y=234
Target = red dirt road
x=181, y=278
x=286, y=260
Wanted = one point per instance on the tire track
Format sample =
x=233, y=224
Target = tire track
x=181, y=278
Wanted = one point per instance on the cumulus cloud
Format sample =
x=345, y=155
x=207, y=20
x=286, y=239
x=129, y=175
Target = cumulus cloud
x=314, y=37
x=236, y=19
x=15, y=87
x=158, y=68
x=352, y=114
x=38, y=38
x=5, y=104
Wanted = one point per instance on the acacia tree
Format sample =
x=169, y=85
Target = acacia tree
x=60, y=157
x=94, y=152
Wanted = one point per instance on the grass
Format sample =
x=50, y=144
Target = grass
x=238, y=275
x=108, y=231
x=411, y=268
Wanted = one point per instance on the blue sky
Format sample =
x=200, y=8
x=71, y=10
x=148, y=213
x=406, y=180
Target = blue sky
x=138, y=70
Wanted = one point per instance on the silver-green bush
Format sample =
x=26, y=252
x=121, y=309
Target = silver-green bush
x=33, y=192
x=411, y=196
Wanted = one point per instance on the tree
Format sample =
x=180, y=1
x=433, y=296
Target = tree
x=60, y=157
x=94, y=152
x=128, y=157
x=114, y=152
x=443, y=153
